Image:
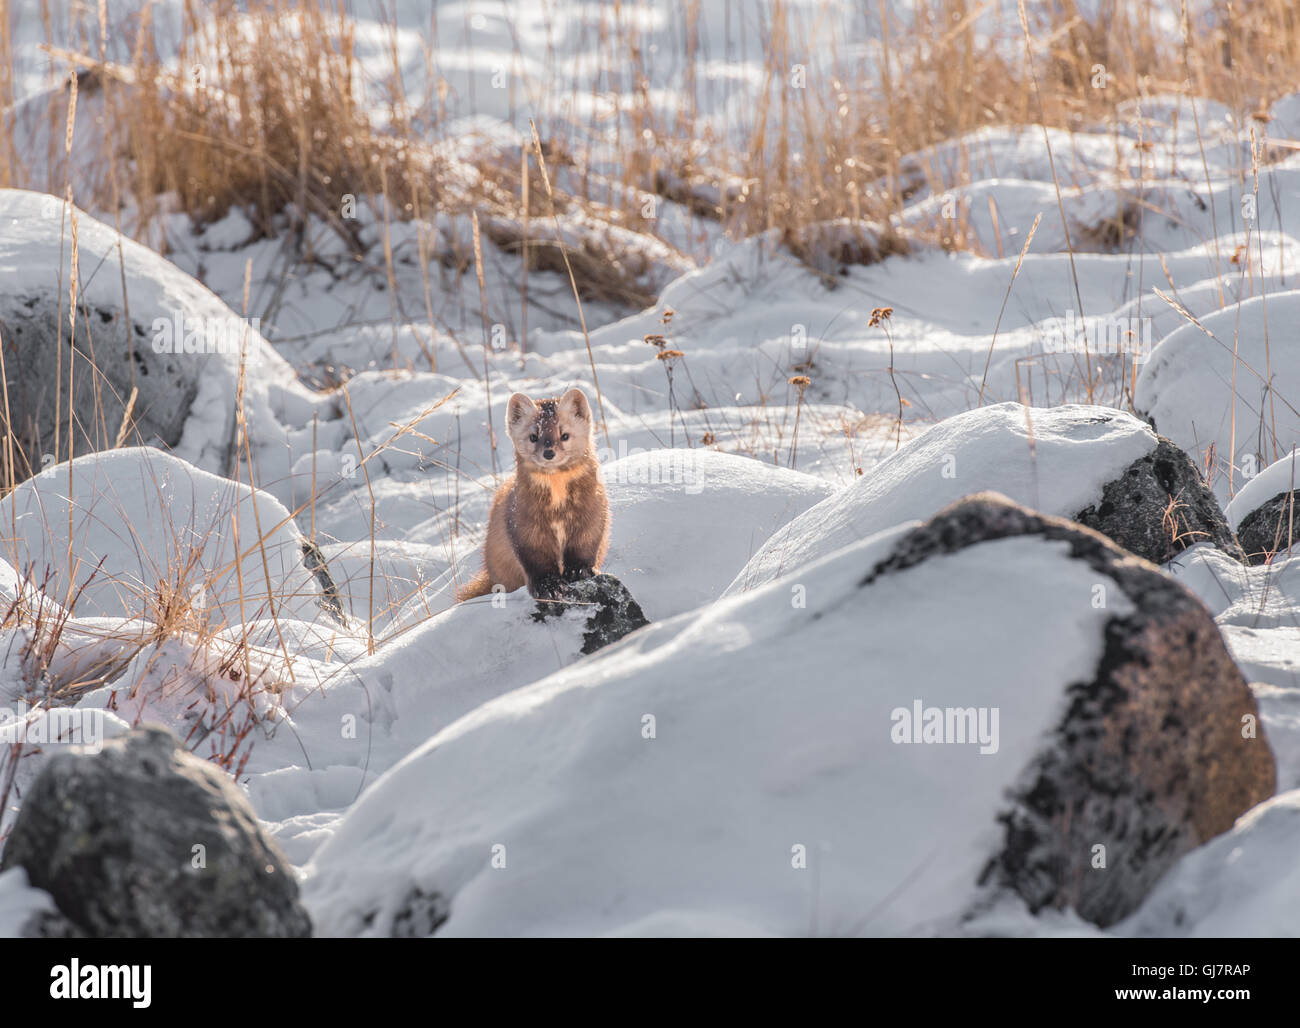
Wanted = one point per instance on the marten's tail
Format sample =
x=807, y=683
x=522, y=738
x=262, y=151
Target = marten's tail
x=479, y=585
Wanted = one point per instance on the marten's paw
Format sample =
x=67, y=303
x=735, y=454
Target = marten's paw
x=578, y=573
x=546, y=587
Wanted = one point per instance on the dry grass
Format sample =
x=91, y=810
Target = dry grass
x=242, y=130
x=290, y=136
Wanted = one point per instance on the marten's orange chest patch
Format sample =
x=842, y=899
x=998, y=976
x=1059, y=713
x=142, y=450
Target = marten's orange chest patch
x=555, y=489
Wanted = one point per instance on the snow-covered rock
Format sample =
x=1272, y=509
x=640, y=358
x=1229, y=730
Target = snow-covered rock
x=752, y=767
x=1263, y=511
x=145, y=840
x=1093, y=464
x=125, y=533
x=186, y=400
x=609, y=608
x=1119, y=776
x=1159, y=507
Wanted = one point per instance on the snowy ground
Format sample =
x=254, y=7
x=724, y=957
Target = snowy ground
x=471, y=726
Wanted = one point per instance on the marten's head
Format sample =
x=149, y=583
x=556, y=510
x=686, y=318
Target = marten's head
x=550, y=435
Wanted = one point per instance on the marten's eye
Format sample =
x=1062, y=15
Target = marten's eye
x=565, y=437
x=533, y=438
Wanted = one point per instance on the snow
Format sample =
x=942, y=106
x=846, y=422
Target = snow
x=1244, y=884
x=1055, y=460
x=111, y=533
x=1255, y=608
x=688, y=521
x=404, y=588
x=1205, y=387
x=19, y=902
x=1262, y=597
x=1268, y=659
x=345, y=716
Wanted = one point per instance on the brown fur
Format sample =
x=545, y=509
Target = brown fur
x=550, y=519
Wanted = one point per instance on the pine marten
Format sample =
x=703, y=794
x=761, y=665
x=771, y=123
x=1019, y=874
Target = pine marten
x=550, y=520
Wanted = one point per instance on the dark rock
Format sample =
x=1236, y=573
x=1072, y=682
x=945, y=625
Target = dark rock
x=1159, y=507
x=615, y=614
x=38, y=349
x=1270, y=528
x=1148, y=758
x=115, y=838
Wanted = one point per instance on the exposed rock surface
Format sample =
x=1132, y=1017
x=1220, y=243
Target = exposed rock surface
x=1270, y=528
x=146, y=840
x=1160, y=506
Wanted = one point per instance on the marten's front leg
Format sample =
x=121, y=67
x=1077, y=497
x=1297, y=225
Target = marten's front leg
x=538, y=551
x=541, y=569
x=585, y=550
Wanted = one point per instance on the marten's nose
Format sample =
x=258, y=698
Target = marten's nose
x=548, y=454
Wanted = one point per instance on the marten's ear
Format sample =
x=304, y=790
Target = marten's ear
x=519, y=408
x=575, y=403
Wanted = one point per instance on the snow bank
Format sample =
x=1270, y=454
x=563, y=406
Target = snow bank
x=345, y=716
x=1244, y=884
x=686, y=521
x=1261, y=597
x=1269, y=658
x=1054, y=460
x=411, y=581
x=118, y=531
x=1255, y=608
x=1196, y=394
